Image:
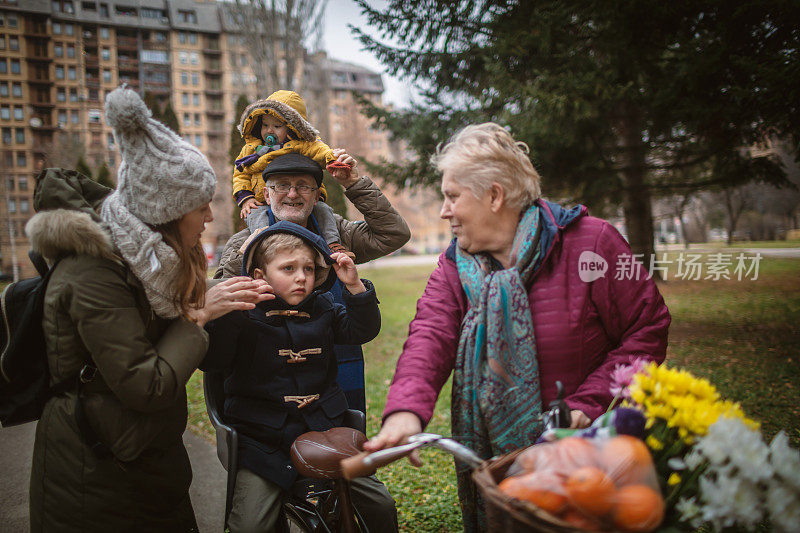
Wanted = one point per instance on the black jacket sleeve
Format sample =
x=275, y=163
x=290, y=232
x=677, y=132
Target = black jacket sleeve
x=223, y=340
x=359, y=320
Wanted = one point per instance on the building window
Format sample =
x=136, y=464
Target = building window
x=19, y=113
x=4, y=88
x=105, y=53
x=160, y=36
x=159, y=57
x=243, y=60
x=2, y=42
x=61, y=93
x=20, y=135
x=56, y=28
x=13, y=43
x=12, y=205
x=192, y=38
x=59, y=72
x=24, y=205
x=185, y=98
x=22, y=183
x=69, y=29
x=16, y=90
x=150, y=13
x=187, y=16
x=71, y=50
x=10, y=183
x=72, y=73
x=94, y=116
x=15, y=66
x=5, y=112
x=185, y=78
x=233, y=59
x=198, y=140
x=22, y=159
x=196, y=98
x=195, y=78
x=73, y=95
x=182, y=37
x=104, y=10
x=58, y=50
x=187, y=119
x=194, y=58
x=7, y=135
x=183, y=57
x=12, y=21
x=106, y=75
x=62, y=116
x=74, y=117
x=126, y=11
x=197, y=119
x=104, y=33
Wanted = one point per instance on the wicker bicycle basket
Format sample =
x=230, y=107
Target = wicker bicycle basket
x=504, y=513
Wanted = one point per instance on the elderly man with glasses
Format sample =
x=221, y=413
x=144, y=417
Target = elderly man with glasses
x=292, y=190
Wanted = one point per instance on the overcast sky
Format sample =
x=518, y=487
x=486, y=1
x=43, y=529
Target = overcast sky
x=342, y=44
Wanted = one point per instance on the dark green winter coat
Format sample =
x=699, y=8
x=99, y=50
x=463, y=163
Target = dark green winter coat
x=96, y=312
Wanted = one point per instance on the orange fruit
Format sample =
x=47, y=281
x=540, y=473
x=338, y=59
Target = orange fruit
x=573, y=453
x=626, y=459
x=590, y=490
x=536, y=457
x=542, y=489
x=637, y=509
x=576, y=519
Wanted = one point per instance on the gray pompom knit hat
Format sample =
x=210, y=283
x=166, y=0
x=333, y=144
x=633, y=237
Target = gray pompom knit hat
x=161, y=176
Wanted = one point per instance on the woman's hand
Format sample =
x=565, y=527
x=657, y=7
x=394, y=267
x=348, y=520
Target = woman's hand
x=341, y=175
x=235, y=294
x=247, y=206
x=346, y=271
x=396, y=429
x=579, y=420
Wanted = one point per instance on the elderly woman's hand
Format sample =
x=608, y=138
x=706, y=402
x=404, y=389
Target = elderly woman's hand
x=395, y=430
x=579, y=420
x=235, y=294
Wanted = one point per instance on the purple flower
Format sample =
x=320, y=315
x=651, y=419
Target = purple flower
x=622, y=376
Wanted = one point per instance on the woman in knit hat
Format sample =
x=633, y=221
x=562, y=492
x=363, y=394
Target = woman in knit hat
x=123, y=317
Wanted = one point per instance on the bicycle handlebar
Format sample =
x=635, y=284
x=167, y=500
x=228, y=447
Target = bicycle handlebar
x=366, y=464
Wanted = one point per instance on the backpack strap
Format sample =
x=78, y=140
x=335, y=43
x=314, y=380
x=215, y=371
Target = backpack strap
x=88, y=435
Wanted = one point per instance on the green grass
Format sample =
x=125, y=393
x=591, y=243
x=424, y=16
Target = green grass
x=742, y=335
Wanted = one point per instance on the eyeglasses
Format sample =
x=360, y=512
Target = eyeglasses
x=284, y=188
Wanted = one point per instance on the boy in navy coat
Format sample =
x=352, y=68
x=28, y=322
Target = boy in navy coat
x=281, y=369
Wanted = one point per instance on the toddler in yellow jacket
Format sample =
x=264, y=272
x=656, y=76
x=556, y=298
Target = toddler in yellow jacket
x=271, y=128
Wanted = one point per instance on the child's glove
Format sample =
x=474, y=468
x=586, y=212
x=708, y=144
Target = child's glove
x=248, y=160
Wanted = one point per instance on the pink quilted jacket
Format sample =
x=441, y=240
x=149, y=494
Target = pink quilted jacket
x=583, y=328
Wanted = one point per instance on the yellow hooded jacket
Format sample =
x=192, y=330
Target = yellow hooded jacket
x=289, y=107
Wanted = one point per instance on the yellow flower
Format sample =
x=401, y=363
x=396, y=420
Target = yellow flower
x=654, y=443
x=674, y=479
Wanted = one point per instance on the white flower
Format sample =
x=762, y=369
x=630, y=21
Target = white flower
x=784, y=507
x=694, y=459
x=751, y=454
x=785, y=460
x=729, y=501
x=688, y=509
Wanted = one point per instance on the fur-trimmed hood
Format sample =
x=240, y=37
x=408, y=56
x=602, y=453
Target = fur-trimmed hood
x=60, y=232
x=67, y=220
x=287, y=106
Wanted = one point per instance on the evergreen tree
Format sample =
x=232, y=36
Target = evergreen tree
x=104, y=176
x=617, y=101
x=151, y=100
x=237, y=142
x=82, y=167
x=170, y=119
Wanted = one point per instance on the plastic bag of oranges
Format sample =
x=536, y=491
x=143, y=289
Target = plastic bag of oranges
x=594, y=484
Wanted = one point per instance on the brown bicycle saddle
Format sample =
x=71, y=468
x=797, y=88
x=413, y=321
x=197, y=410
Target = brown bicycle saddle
x=317, y=454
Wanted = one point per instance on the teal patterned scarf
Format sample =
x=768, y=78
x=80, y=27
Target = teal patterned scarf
x=496, y=402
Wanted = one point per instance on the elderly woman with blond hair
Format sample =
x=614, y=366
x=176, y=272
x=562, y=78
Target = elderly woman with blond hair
x=509, y=312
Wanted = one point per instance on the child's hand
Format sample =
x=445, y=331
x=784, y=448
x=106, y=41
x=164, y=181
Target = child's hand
x=346, y=271
x=341, y=175
x=247, y=206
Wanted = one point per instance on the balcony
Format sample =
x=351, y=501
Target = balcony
x=213, y=89
x=212, y=50
x=38, y=78
x=91, y=61
x=125, y=63
x=89, y=39
x=36, y=29
x=92, y=82
x=43, y=124
x=213, y=69
x=215, y=112
x=128, y=43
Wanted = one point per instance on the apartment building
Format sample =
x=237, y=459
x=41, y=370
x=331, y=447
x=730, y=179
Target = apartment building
x=60, y=58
